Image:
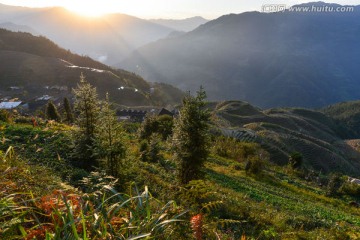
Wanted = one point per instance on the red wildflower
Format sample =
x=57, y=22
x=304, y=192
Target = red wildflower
x=38, y=233
x=197, y=225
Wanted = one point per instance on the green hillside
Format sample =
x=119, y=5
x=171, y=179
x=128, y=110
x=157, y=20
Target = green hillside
x=277, y=203
x=347, y=113
x=319, y=138
x=34, y=63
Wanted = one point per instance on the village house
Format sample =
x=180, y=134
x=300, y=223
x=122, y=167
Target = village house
x=9, y=105
x=131, y=115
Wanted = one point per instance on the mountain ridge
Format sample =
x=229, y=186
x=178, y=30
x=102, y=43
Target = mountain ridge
x=183, y=25
x=108, y=39
x=277, y=59
x=34, y=63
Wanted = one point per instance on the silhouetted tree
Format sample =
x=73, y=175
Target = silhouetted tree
x=52, y=112
x=69, y=116
x=190, y=139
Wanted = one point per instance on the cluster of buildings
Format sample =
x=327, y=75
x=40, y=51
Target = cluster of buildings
x=25, y=106
x=133, y=115
x=12, y=103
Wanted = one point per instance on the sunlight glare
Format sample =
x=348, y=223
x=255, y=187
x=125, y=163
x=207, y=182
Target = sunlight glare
x=88, y=8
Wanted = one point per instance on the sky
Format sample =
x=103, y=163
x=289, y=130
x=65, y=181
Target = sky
x=175, y=9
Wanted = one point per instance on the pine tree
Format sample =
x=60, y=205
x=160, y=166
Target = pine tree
x=69, y=116
x=191, y=140
x=86, y=106
x=150, y=150
x=52, y=113
x=109, y=137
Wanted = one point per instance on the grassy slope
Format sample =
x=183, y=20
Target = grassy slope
x=278, y=201
x=347, y=113
x=274, y=205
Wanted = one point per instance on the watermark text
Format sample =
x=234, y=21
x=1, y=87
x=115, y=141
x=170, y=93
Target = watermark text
x=271, y=8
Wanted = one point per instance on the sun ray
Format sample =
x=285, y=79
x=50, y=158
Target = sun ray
x=86, y=8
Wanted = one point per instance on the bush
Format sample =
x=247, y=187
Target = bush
x=21, y=119
x=150, y=151
x=131, y=127
x=5, y=116
x=350, y=189
x=76, y=175
x=254, y=165
x=237, y=167
x=334, y=184
x=144, y=150
x=196, y=194
x=231, y=148
x=162, y=125
x=295, y=160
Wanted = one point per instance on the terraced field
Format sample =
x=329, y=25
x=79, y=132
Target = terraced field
x=291, y=206
x=319, y=138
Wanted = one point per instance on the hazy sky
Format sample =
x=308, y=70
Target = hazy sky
x=161, y=8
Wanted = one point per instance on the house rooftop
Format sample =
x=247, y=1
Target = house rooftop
x=9, y=105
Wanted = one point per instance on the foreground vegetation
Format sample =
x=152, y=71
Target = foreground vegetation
x=135, y=187
x=37, y=200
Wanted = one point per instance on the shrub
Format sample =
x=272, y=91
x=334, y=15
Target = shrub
x=232, y=148
x=350, y=189
x=52, y=112
x=69, y=116
x=150, y=151
x=131, y=127
x=5, y=116
x=237, y=167
x=166, y=124
x=204, y=206
x=196, y=194
x=144, y=151
x=334, y=184
x=295, y=160
x=254, y=165
x=162, y=125
x=21, y=119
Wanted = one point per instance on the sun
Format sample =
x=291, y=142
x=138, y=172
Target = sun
x=88, y=8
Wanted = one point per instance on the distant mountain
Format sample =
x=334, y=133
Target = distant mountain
x=283, y=131
x=108, y=39
x=18, y=28
x=269, y=59
x=183, y=25
x=31, y=67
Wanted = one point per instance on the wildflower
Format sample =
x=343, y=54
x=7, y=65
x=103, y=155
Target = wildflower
x=196, y=225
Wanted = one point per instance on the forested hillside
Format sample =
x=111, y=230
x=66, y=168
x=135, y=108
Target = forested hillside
x=34, y=63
